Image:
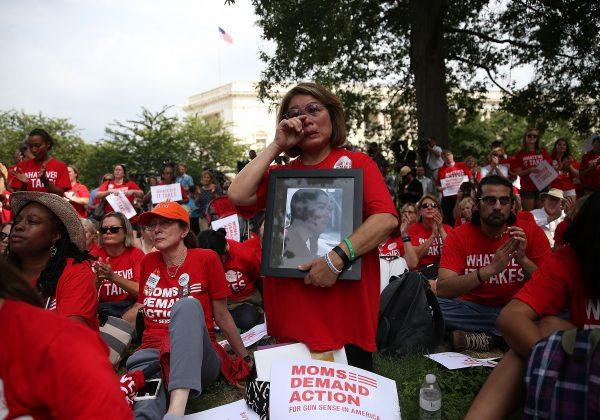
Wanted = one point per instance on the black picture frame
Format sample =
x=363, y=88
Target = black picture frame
x=298, y=203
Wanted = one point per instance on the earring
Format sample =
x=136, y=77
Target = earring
x=53, y=251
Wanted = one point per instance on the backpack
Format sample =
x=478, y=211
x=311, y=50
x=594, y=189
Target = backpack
x=562, y=376
x=410, y=319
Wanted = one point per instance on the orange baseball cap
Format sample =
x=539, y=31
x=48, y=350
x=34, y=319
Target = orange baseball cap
x=168, y=210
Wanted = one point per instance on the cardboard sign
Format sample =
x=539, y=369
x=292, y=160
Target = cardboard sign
x=453, y=360
x=325, y=390
x=121, y=204
x=238, y=410
x=452, y=184
x=231, y=224
x=170, y=192
x=543, y=175
x=249, y=337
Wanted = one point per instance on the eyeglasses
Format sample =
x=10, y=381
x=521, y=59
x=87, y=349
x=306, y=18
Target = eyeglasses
x=111, y=229
x=311, y=109
x=3, y=236
x=429, y=206
x=490, y=200
x=162, y=223
x=532, y=136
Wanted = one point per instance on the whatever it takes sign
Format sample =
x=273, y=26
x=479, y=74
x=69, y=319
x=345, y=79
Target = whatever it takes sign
x=325, y=390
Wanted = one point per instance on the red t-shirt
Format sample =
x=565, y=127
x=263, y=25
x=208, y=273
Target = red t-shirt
x=526, y=216
x=457, y=171
x=556, y=285
x=127, y=265
x=591, y=180
x=419, y=235
x=559, y=232
x=108, y=185
x=326, y=318
x=80, y=191
x=76, y=293
x=159, y=291
x=56, y=172
x=242, y=271
x=564, y=181
x=393, y=247
x=526, y=160
x=254, y=245
x=467, y=248
x=54, y=368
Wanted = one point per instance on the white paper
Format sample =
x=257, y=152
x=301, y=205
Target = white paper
x=233, y=411
x=231, y=224
x=327, y=391
x=452, y=184
x=543, y=175
x=170, y=192
x=249, y=337
x=453, y=360
x=121, y=204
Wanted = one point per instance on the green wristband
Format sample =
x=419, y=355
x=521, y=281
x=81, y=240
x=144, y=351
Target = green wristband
x=350, y=248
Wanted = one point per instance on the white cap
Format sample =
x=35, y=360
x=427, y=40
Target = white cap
x=430, y=378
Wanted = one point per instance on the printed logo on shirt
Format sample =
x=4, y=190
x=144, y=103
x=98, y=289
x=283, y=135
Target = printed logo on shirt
x=532, y=160
x=108, y=288
x=236, y=280
x=593, y=313
x=391, y=250
x=158, y=301
x=457, y=173
x=33, y=177
x=434, y=248
x=513, y=273
x=343, y=163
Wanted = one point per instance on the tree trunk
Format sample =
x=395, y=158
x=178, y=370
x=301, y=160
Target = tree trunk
x=428, y=67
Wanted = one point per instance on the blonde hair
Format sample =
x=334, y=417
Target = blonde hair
x=430, y=197
x=524, y=139
x=126, y=228
x=465, y=201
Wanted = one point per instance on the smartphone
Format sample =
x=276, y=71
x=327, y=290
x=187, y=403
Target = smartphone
x=149, y=391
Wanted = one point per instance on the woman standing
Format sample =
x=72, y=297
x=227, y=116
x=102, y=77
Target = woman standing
x=205, y=193
x=47, y=244
x=120, y=182
x=78, y=195
x=41, y=173
x=428, y=235
x=167, y=178
x=179, y=332
x=524, y=163
x=568, y=169
x=311, y=127
x=118, y=265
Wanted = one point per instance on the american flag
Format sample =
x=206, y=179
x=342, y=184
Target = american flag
x=226, y=37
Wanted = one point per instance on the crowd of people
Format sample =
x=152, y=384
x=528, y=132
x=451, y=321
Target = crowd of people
x=498, y=249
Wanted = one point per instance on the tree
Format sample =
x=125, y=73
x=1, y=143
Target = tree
x=409, y=59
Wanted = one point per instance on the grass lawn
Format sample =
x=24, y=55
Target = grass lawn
x=459, y=387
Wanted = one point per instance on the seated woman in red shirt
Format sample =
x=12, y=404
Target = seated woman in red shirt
x=47, y=243
x=180, y=332
x=121, y=182
x=51, y=367
x=242, y=270
x=569, y=278
x=118, y=265
x=43, y=172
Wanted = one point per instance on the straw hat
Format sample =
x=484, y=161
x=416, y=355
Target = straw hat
x=554, y=192
x=57, y=205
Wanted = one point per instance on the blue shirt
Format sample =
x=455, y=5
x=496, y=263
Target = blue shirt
x=186, y=181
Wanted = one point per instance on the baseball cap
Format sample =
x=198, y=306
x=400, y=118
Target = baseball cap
x=168, y=210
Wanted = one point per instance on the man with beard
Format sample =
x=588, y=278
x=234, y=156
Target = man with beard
x=484, y=263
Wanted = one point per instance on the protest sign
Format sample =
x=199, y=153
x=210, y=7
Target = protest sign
x=238, y=410
x=453, y=360
x=249, y=337
x=452, y=184
x=325, y=390
x=170, y=192
x=544, y=174
x=231, y=225
x=121, y=204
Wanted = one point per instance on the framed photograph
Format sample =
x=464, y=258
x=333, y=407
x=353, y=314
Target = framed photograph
x=308, y=213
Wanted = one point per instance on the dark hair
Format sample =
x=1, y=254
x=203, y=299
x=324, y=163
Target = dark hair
x=166, y=165
x=302, y=196
x=582, y=234
x=567, y=152
x=189, y=240
x=65, y=248
x=14, y=286
x=493, y=180
x=125, y=175
x=43, y=134
x=497, y=143
x=74, y=170
x=213, y=239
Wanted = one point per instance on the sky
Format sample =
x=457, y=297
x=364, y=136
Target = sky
x=97, y=61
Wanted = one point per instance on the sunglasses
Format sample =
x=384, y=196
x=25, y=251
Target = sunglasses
x=429, y=206
x=3, y=236
x=111, y=229
x=311, y=109
x=490, y=200
x=532, y=136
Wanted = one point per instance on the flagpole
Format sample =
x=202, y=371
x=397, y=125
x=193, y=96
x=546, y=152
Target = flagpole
x=219, y=58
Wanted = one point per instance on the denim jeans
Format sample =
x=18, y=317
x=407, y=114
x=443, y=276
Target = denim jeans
x=469, y=316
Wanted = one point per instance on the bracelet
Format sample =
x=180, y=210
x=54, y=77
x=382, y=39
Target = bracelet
x=331, y=266
x=350, y=248
x=479, y=276
x=343, y=256
x=406, y=238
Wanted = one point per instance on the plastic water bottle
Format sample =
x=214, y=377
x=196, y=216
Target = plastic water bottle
x=430, y=399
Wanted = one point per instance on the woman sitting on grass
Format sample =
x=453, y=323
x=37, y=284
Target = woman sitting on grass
x=567, y=279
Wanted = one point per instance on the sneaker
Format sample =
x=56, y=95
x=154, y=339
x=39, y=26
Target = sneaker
x=462, y=340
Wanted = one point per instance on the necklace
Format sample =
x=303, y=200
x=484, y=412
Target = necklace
x=176, y=266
